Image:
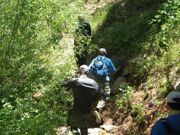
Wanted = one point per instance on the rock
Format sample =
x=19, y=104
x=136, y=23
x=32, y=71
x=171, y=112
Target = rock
x=119, y=81
x=108, y=121
x=127, y=70
x=128, y=123
x=93, y=131
x=108, y=127
x=63, y=131
x=103, y=132
x=177, y=85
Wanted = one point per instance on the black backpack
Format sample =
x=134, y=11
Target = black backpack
x=168, y=129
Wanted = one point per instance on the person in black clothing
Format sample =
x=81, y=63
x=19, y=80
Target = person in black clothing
x=171, y=124
x=86, y=96
x=82, y=39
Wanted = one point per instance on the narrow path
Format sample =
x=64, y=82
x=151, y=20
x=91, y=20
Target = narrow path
x=67, y=43
x=107, y=127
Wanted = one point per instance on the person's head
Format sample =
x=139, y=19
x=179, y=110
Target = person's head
x=84, y=69
x=173, y=101
x=102, y=51
x=81, y=18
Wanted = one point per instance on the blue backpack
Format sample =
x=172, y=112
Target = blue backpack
x=168, y=129
x=99, y=67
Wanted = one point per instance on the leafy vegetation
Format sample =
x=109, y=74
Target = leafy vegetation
x=123, y=102
x=137, y=110
x=33, y=63
x=35, y=59
x=145, y=34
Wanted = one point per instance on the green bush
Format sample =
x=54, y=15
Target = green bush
x=123, y=101
x=33, y=63
x=138, y=111
x=140, y=32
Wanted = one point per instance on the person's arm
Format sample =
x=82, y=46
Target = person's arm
x=112, y=67
x=88, y=28
x=69, y=83
x=91, y=65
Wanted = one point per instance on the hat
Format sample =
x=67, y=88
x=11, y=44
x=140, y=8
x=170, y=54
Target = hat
x=173, y=97
x=85, y=68
x=81, y=17
x=102, y=51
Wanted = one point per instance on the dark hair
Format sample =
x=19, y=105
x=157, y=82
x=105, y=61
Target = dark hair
x=174, y=106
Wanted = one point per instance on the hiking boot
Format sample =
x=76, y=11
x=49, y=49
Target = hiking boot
x=98, y=117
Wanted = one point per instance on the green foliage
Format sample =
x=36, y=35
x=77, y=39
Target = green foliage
x=33, y=63
x=163, y=36
x=141, y=32
x=164, y=23
x=82, y=44
x=34, y=59
x=144, y=33
x=138, y=111
x=99, y=18
x=82, y=40
x=123, y=101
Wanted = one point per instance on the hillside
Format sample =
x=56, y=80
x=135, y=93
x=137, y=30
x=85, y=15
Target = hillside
x=36, y=55
x=142, y=37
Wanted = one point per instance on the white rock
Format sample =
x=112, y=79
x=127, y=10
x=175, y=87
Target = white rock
x=108, y=127
x=93, y=131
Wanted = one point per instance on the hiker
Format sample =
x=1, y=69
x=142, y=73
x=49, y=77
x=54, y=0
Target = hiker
x=86, y=95
x=82, y=39
x=100, y=68
x=171, y=124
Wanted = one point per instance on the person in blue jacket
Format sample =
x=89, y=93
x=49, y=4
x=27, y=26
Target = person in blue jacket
x=171, y=124
x=100, y=69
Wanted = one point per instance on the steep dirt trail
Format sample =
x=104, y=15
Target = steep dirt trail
x=106, y=127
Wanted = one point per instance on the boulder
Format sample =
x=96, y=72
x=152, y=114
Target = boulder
x=119, y=81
